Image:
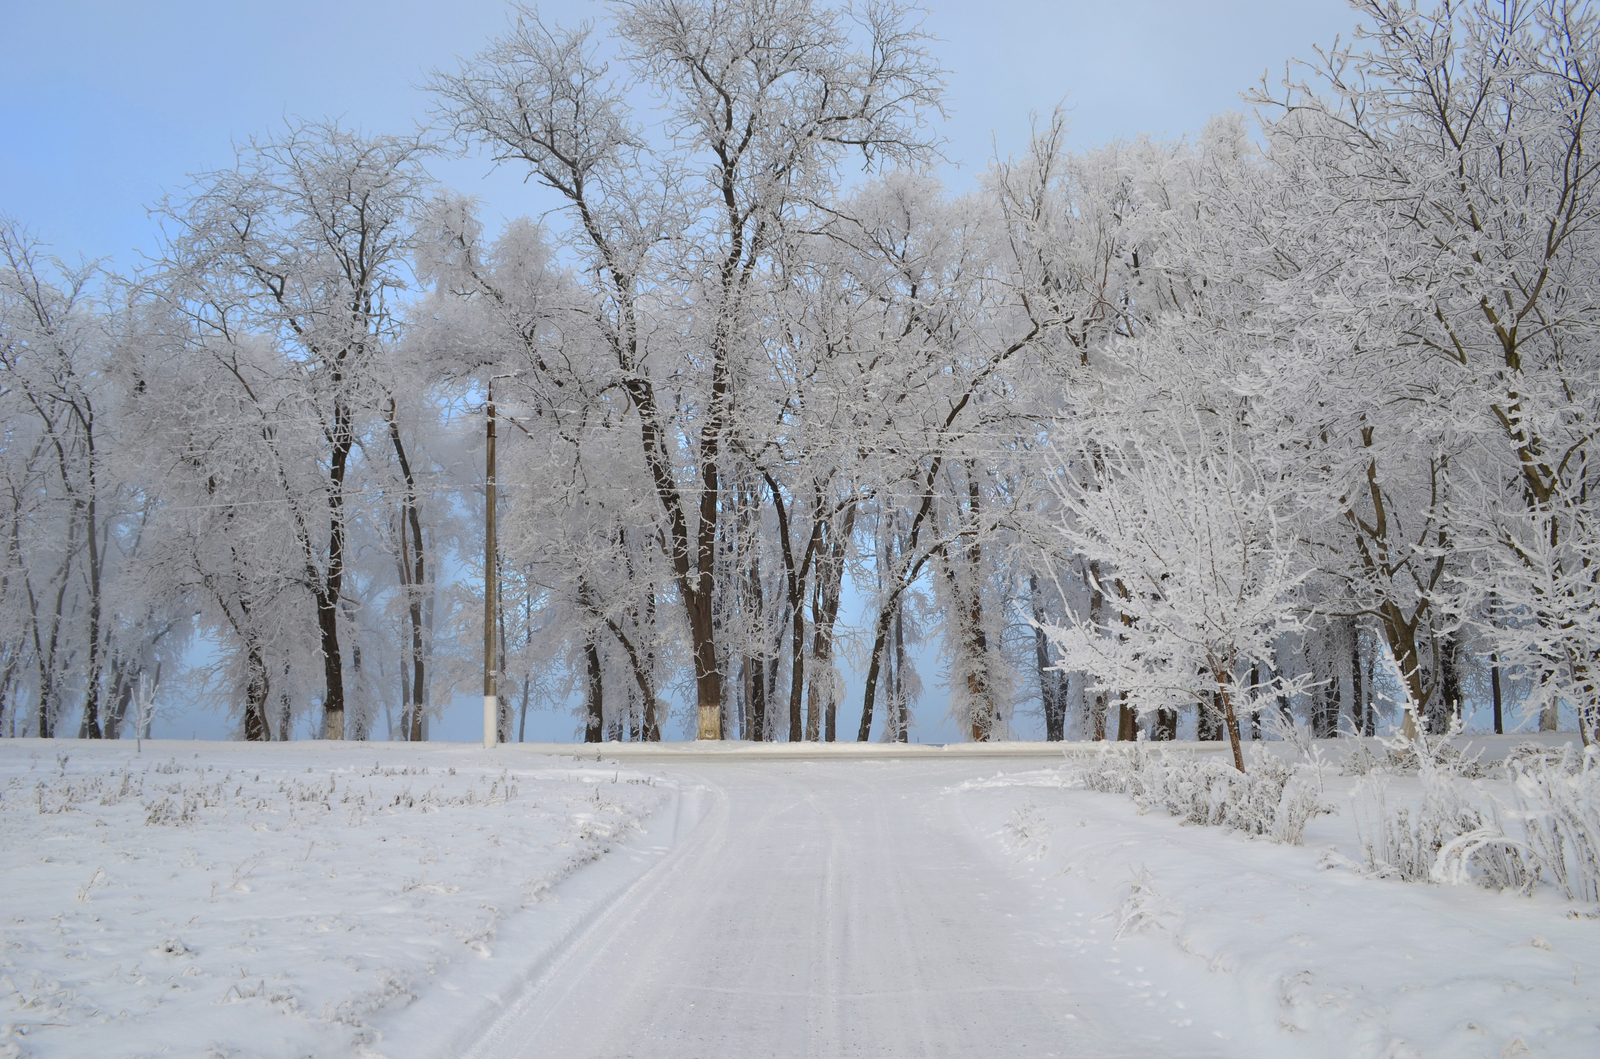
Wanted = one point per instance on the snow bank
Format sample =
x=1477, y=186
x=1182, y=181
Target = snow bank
x=1305, y=952
x=224, y=899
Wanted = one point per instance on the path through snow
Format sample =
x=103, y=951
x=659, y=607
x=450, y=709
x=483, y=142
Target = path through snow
x=930, y=905
x=837, y=908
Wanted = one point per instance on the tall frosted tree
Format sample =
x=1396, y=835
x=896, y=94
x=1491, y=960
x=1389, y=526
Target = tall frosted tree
x=290, y=260
x=763, y=99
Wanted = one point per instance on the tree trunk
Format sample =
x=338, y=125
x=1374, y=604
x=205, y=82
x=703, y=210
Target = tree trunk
x=503, y=702
x=1550, y=712
x=980, y=693
x=1358, y=694
x=891, y=690
x=256, y=690
x=332, y=669
x=594, y=699
x=45, y=658
x=1127, y=722
x=1448, y=704
x=1208, y=726
x=1228, y=717
x=1494, y=672
x=1255, y=710
x=903, y=575
x=285, y=714
x=121, y=697
x=91, y=698
x=651, y=722
x=821, y=700
x=1494, y=684
x=1097, y=617
x=8, y=681
x=758, y=699
x=1050, y=699
x=1285, y=712
x=1335, y=692
x=753, y=601
x=329, y=588
x=1320, y=694
x=902, y=709
x=795, y=574
x=413, y=565
x=643, y=665
x=823, y=703
x=797, y=673
x=702, y=616
x=874, y=667
x=1588, y=704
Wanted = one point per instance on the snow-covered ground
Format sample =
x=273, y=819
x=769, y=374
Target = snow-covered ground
x=224, y=899
x=1295, y=951
x=438, y=900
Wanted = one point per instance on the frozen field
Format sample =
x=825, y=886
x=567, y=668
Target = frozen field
x=437, y=900
x=224, y=899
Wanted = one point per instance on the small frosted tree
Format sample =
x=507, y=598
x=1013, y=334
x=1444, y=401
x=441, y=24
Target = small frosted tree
x=1196, y=552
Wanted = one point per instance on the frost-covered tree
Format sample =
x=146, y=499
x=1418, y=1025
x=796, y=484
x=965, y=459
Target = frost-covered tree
x=285, y=267
x=77, y=616
x=763, y=100
x=1440, y=164
x=1197, y=544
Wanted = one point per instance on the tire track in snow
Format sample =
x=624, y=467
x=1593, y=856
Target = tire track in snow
x=820, y=909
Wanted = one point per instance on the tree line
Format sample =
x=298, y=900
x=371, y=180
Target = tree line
x=1290, y=418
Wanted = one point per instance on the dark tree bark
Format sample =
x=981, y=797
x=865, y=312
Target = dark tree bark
x=121, y=698
x=822, y=704
x=643, y=665
x=1127, y=723
x=1255, y=690
x=1097, y=616
x=1219, y=667
x=1208, y=720
x=1448, y=702
x=414, y=571
x=1335, y=690
x=1051, y=697
x=256, y=690
x=594, y=697
x=795, y=577
x=1358, y=694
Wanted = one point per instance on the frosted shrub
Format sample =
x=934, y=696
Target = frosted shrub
x=1359, y=760
x=1531, y=754
x=1558, y=803
x=1449, y=839
x=1419, y=754
x=1274, y=798
x=1447, y=836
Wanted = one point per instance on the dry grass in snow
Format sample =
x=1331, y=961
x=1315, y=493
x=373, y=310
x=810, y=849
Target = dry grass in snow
x=205, y=899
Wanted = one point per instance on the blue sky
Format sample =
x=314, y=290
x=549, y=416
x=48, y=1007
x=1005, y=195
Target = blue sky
x=111, y=103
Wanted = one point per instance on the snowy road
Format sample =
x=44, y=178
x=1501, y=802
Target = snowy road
x=435, y=901
x=825, y=908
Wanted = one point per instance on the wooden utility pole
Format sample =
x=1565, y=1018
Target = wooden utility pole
x=491, y=695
